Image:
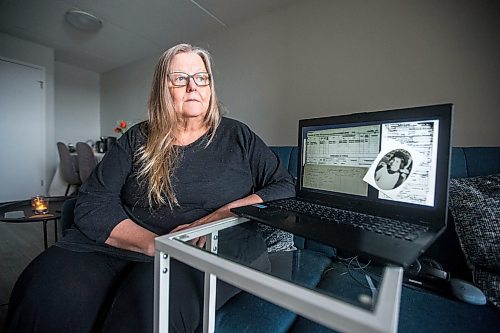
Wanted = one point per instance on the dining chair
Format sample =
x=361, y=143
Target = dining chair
x=86, y=160
x=68, y=166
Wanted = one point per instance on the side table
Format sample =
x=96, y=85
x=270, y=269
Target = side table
x=332, y=309
x=20, y=212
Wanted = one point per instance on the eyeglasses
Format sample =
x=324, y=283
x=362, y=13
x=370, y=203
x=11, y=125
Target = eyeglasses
x=180, y=79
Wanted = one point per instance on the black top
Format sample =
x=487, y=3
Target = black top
x=234, y=165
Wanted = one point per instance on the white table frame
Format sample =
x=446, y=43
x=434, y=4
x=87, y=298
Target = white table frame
x=326, y=310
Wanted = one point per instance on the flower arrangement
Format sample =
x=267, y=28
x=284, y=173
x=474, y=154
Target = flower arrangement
x=121, y=127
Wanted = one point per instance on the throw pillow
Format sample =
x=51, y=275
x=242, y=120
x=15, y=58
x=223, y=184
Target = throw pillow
x=489, y=283
x=277, y=240
x=475, y=205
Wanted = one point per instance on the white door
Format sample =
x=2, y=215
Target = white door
x=22, y=139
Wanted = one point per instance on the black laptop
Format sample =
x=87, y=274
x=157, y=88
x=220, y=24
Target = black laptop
x=375, y=183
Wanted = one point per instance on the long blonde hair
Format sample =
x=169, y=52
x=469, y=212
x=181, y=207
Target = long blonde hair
x=158, y=156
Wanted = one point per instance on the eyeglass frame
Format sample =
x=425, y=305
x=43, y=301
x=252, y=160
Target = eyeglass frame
x=190, y=77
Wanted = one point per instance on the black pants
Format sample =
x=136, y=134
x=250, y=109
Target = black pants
x=66, y=291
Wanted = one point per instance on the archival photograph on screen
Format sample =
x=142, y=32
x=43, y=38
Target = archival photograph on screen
x=337, y=159
x=413, y=147
x=393, y=169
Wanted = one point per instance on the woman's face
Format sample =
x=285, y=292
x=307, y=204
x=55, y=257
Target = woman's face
x=395, y=164
x=190, y=101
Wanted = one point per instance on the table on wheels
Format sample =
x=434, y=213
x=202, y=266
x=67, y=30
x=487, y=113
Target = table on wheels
x=332, y=308
x=21, y=212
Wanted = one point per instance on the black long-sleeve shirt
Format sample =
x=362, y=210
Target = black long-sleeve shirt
x=234, y=165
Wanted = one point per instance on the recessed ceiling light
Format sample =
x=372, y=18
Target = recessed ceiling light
x=82, y=20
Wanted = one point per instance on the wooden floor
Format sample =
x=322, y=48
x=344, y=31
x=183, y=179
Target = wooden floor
x=19, y=244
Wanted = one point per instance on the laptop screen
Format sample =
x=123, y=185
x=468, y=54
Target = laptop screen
x=387, y=156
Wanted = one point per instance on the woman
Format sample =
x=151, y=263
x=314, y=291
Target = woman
x=184, y=167
x=391, y=175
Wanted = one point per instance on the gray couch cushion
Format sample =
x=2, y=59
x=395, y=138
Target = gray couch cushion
x=475, y=205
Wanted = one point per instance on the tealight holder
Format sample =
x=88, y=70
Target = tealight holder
x=39, y=204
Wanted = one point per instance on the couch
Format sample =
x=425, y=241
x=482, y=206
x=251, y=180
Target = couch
x=421, y=310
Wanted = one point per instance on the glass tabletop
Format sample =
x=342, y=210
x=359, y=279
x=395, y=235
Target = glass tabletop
x=346, y=279
x=340, y=293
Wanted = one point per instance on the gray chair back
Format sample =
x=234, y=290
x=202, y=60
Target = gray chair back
x=86, y=160
x=68, y=166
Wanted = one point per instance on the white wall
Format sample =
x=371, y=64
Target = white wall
x=17, y=49
x=124, y=94
x=77, y=104
x=72, y=97
x=325, y=57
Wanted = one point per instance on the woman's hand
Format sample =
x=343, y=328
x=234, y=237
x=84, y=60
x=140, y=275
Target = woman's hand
x=218, y=214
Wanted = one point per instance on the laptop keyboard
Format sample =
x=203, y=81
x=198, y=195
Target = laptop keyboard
x=381, y=225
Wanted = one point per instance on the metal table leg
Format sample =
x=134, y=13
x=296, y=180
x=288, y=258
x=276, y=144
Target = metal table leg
x=162, y=297
x=210, y=289
x=55, y=229
x=45, y=235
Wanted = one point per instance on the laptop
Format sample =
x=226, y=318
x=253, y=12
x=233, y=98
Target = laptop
x=375, y=183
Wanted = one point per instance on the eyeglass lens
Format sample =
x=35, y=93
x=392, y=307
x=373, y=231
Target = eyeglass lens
x=180, y=79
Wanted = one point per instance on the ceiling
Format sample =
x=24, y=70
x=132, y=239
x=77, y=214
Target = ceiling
x=131, y=29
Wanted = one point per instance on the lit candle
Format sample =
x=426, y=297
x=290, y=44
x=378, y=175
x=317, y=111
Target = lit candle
x=39, y=205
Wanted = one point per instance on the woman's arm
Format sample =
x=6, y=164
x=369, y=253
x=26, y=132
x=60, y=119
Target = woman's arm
x=221, y=213
x=99, y=208
x=129, y=235
x=271, y=180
